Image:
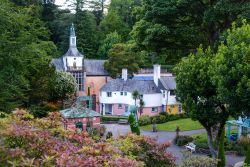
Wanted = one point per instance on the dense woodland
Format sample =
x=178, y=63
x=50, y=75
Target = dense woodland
x=144, y=32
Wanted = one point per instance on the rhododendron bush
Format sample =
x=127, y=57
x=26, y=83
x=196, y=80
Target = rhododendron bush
x=26, y=141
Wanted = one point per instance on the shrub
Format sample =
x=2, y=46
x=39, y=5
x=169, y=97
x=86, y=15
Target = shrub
x=112, y=118
x=146, y=149
x=247, y=160
x=158, y=119
x=197, y=161
x=133, y=124
x=109, y=135
x=182, y=140
x=144, y=120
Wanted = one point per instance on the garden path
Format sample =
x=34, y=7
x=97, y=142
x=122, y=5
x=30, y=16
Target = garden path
x=163, y=136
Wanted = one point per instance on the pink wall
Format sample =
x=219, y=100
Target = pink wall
x=146, y=110
x=70, y=123
x=117, y=110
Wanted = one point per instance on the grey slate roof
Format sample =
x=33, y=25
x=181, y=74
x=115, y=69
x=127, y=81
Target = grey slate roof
x=58, y=63
x=73, y=51
x=95, y=67
x=167, y=82
x=142, y=86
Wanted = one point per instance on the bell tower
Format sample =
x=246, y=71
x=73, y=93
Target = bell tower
x=72, y=37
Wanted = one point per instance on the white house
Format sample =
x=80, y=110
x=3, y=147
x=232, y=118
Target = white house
x=156, y=92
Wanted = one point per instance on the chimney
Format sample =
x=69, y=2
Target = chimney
x=157, y=73
x=124, y=74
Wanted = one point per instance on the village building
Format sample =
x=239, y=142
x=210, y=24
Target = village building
x=81, y=115
x=157, y=93
x=87, y=72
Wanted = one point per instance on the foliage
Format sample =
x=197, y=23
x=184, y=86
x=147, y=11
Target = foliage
x=221, y=154
x=112, y=118
x=158, y=119
x=197, y=161
x=25, y=52
x=114, y=23
x=145, y=149
x=247, y=160
x=182, y=140
x=111, y=39
x=123, y=56
x=109, y=135
x=199, y=94
x=43, y=142
x=231, y=67
x=63, y=86
x=87, y=33
x=144, y=120
x=172, y=29
x=133, y=124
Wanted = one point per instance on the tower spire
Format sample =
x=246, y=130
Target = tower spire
x=72, y=38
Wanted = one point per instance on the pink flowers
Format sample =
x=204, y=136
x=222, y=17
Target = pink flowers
x=33, y=141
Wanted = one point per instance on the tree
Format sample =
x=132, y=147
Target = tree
x=25, y=52
x=221, y=153
x=123, y=56
x=133, y=124
x=114, y=23
x=179, y=27
x=198, y=93
x=63, y=86
x=87, y=33
x=141, y=106
x=107, y=43
x=232, y=68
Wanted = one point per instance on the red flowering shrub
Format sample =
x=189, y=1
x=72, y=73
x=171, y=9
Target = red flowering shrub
x=42, y=142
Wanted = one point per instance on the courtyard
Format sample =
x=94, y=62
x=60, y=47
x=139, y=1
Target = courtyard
x=163, y=136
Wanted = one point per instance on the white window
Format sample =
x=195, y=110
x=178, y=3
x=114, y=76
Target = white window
x=109, y=94
x=79, y=80
x=120, y=106
x=125, y=93
x=154, y=109
x=121, y=93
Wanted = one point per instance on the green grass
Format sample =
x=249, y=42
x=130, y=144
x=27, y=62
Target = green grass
x=201, y=139
x=184, y=125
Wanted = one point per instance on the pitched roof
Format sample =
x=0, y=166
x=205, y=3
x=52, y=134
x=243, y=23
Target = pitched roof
x=79, y=113
x=58, y=63
x=142, y=86
x=167, y=82
x=73, y=51
x=95, y=67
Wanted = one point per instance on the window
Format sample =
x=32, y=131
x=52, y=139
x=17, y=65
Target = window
x=141, y=96
x=172, y=92
x=109, y=94
x=125, y=93
x=79, y=80
x=154, y=109
x=121, y=93
x=163, y=94
x=120, y=106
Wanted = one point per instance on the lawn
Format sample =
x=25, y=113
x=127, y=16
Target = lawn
x=184, y=125
x=201, y=139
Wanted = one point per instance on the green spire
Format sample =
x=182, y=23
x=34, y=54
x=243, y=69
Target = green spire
x=72, y=30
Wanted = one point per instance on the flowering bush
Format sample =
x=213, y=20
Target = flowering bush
x=26, y=141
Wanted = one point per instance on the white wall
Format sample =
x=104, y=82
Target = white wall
x=150, y=100
x=171, y=99
x=71, y=61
